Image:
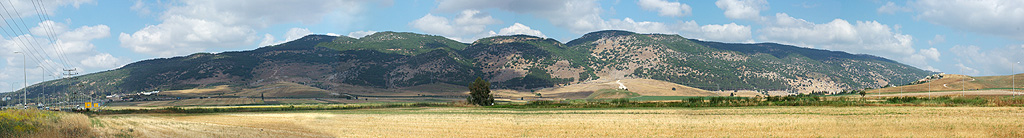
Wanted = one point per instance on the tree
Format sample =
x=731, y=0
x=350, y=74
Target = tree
x=862, y=93
x=480, y=93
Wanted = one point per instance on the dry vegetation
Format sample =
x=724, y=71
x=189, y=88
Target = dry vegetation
x=197, y=101
x=646, y=122
x=953, y=82
x=43, y=124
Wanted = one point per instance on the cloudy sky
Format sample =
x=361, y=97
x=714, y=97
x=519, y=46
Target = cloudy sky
x=975, y=37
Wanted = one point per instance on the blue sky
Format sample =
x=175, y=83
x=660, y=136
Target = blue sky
x=975, y=37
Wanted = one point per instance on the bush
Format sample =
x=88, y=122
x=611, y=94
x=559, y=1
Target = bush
x=621, y=101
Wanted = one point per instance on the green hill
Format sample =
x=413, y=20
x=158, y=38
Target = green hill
x=395, y=60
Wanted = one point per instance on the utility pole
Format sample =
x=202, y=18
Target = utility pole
x=24, y=68
x=1013, y=80
x=42, y=90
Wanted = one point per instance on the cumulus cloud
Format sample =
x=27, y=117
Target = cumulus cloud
x=102, y=60
x=575, y=15
x=360, y=34
x=469, y=24
x=268, y=40
x=585, y=16
x=27, y=8
x=723, y=33
x=860, y=37
x=743, y=9
x=995, y=61
x=1003, y=18
x=292, y=35
x=665, y=8
x=180, y=35
x=61, y=47
x=937, y=40
x=196, y=25
x=518, y=28
x=892, y=8
x=964, y=69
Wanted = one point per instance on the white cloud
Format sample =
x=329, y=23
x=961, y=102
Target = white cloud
x=861, y=37
x=892, y=8
x=296, y=33
x=27, y=8
x=468, y=24
x=585, y=16
x=69, y=48
x=937, y=40
x=723, y=33
x=743, y=9
x=268, y=40
x=360, y=34
x=964, y=69
x=197, y=25
x=518, y=28
x=102, y=60
x=639, y=27
x=575, y=15
x=994, y=61
x=992, y=17
x=179, y=35
x=292, y=35
x=665, y=8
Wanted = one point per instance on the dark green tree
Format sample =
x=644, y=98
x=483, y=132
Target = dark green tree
x=862, y=93
x=480, y=93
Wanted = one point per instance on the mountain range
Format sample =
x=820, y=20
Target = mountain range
x=398, y=60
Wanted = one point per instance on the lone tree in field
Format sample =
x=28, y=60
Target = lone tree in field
x=480, y=93
x=862, y=93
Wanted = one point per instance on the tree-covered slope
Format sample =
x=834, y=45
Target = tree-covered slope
x=400, y=60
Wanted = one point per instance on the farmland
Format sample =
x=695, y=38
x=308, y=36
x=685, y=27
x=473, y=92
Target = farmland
x=590, y=122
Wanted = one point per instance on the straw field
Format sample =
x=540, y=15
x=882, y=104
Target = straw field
x=617, y=122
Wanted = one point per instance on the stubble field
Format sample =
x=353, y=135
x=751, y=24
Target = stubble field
x=616, y=122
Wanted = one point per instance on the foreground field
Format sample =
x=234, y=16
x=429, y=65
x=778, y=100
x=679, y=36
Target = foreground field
x=639, y=122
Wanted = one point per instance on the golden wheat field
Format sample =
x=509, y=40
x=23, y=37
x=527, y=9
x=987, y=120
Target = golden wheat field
x=642, y=122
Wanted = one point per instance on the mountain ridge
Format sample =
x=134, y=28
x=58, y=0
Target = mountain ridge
x=391, y=60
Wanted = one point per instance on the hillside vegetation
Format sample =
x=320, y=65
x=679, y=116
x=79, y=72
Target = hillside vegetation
x=397, y=63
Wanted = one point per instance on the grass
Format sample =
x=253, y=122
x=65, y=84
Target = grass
x=40, y=123
x=612, y=94
x=776, y=121
x=660, y=98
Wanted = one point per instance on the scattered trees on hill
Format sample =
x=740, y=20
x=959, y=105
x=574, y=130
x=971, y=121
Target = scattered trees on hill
x=480, y=93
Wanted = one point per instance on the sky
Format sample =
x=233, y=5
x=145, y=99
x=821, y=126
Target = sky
x=974, y=37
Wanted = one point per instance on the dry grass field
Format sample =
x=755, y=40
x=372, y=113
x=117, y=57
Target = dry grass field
x=619, y=122
x=949, y=93
x=954, y=82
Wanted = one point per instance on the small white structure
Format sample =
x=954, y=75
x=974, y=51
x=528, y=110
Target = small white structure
x=150, y=93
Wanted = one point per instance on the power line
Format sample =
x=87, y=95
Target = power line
x=25, y=43
x=25, y=25
x=58, y=47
